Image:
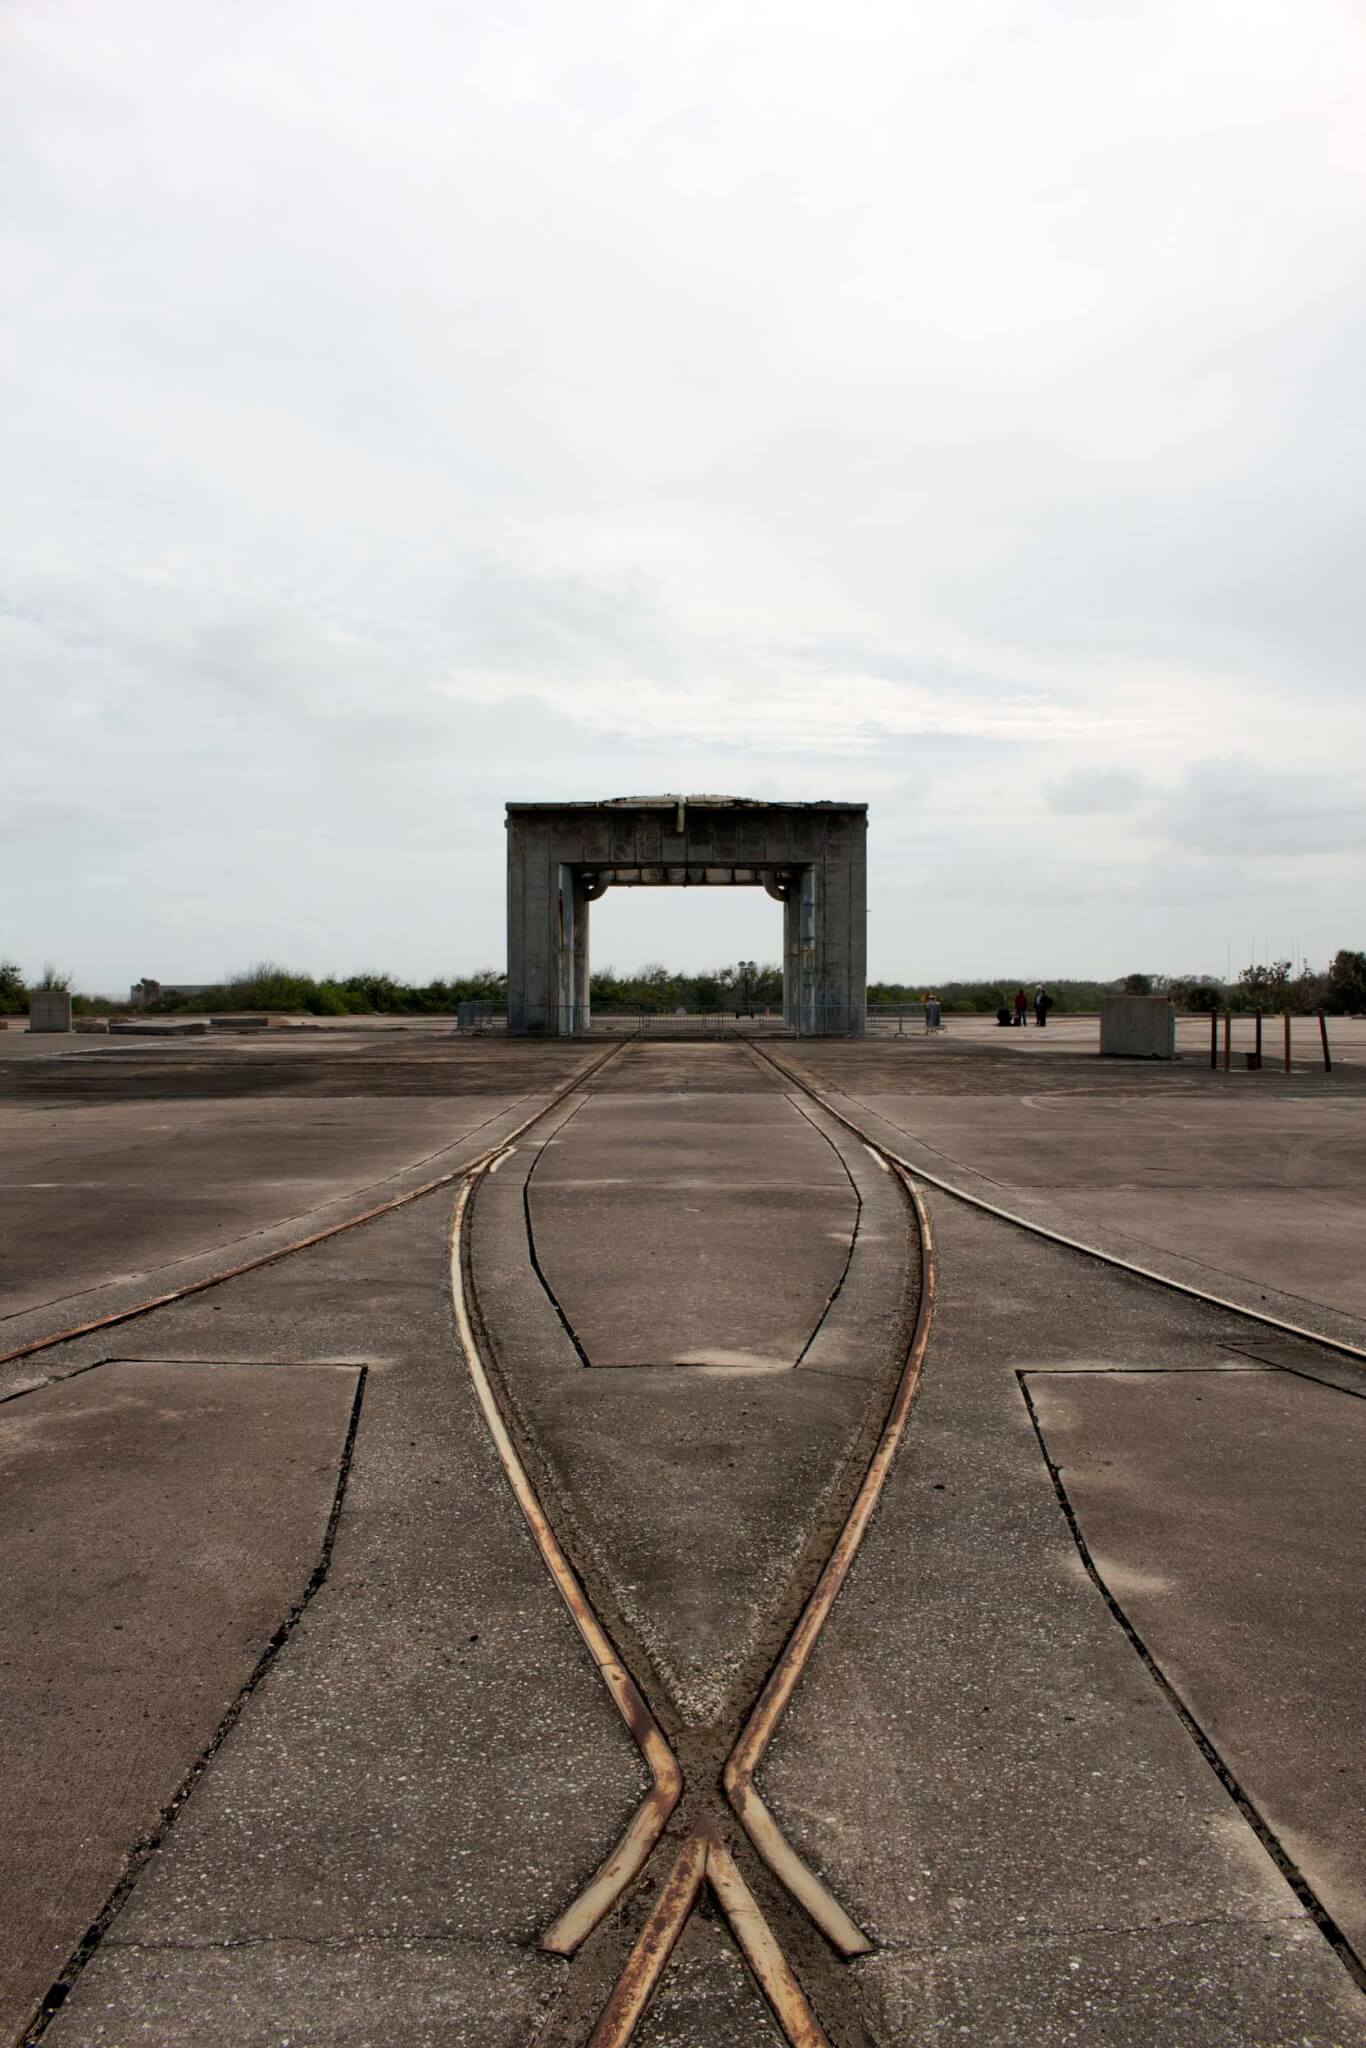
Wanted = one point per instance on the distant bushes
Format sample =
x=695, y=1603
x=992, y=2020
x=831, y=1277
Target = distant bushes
x=744, y=985
x=269, y=986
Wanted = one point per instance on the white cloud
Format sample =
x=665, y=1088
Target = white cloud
x=955, y=407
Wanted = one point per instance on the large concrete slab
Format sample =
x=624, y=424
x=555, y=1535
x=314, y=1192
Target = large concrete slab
x=1224, y=1513
x=157, y=1522
x=429, y=1771
x=710, y=1233
x=977, y=1759
x=122, y=1173
x=1256, y=1189
x=694, y=1486
x=428, y=1993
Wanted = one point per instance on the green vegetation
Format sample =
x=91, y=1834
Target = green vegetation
x=743, y=985
x=13, y=989
x=268, y=986
x=746, y=985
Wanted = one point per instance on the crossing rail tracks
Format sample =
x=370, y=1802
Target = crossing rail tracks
x=703, y=1827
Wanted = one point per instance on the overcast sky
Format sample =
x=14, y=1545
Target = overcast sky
x=957, y=408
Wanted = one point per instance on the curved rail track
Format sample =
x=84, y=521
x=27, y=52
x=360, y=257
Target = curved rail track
x=703, y=1858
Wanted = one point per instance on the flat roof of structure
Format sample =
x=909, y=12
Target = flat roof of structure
x=669, y=801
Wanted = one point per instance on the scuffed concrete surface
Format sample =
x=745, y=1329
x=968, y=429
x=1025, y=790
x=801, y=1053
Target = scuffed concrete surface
x=977, y=1759
x=1224, y=1513
x=291, y=1994
x=431, y=1758
x=157, y=1524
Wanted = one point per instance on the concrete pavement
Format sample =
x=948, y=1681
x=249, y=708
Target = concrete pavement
x=980, y=1760
x=1245, y=1185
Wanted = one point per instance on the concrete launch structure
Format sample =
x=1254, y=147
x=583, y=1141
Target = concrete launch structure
x=811, y=858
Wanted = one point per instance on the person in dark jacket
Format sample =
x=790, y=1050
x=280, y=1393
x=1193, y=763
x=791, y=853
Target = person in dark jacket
x=1043, y=1003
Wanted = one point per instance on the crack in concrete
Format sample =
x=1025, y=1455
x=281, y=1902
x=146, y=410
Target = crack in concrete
x=1299, y=1884
x=706, y=1809
x=232, y=1943
x=1047, y=1937
x=142, y=1852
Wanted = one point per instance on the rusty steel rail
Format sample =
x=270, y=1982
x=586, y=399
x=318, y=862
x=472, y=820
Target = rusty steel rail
x=632, y=1852
x=302, y=1244
x=648, y=1960
x=754, y=1816
x=760, y=1950
x=1072, y=1244
x=705, y=1859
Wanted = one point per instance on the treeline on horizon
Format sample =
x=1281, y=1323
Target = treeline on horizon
x=745, y=985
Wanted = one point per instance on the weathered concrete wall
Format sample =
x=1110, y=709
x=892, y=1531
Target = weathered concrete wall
x=1137, y=1028
x=813, y=857
x=49, y=1009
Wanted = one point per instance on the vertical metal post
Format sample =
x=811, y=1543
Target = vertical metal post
x=1323, y=1034
x=1213, y=1040
x=1228, y=1039
x=1257, y=1043
x=1287, y=1041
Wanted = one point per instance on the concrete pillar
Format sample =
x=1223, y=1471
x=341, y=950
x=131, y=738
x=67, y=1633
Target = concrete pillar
x=582, y=964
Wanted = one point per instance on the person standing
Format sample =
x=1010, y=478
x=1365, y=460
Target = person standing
x=1021, y=1007
x=1043, y=1003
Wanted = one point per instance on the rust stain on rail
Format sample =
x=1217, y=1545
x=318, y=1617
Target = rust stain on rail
x=303, y=1244
x=744, y=1760
x=705, y=1858
x=632, y=1852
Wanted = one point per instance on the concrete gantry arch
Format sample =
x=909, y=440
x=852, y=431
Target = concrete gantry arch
x=811, y=858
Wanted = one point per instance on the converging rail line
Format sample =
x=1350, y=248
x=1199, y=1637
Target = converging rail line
x=713, y=1820
x=703, y=1858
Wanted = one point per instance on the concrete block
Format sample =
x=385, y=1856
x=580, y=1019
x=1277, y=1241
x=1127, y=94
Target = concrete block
x=1137, y=1028
x=49, y=1009
x=91, y=1024
x=166, y=1027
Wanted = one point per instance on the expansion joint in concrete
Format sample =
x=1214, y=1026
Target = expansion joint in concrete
x=142, y=1851
x=1289, y=1869
x=712, y=1798
x=1048, y=1937
x=534, y=1257
x=838, y=1287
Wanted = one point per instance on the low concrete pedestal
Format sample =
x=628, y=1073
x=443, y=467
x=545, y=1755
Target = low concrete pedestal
x=49, y=1009
x=1137, y=1028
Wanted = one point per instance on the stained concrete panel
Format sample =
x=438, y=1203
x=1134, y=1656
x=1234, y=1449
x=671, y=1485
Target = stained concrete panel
x=693, y=1488
x=715, y=1239
x=1224, y=1513
x=1243, y=1185
x=977, y=1760
x=157, y=1522
x=427, y=1993
x=433, y=1752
